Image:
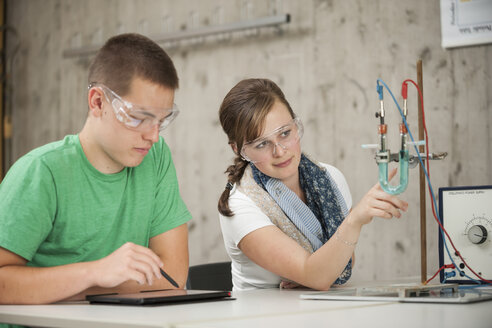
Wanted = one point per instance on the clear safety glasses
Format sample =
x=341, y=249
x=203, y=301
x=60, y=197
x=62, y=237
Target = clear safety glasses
x=137, y=117
x=263, y=148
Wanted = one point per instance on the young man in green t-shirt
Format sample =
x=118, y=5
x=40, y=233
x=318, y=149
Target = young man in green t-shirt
x=100, y=211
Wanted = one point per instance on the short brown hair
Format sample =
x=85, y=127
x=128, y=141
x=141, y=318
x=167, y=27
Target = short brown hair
x=126, y=56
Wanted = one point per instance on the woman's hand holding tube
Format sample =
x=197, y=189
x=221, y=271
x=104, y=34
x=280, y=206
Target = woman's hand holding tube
x=378, y=203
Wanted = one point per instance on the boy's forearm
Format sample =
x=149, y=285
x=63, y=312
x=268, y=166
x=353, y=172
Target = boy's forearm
x=29, y=285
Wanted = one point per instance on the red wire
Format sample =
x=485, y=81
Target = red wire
x=430, y=191
x=435, y=274
x=445, y=266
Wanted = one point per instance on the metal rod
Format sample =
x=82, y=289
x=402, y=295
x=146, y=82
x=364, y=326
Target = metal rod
x=423, y=226
x=202, y=32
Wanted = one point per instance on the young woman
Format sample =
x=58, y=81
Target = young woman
x=287, y=220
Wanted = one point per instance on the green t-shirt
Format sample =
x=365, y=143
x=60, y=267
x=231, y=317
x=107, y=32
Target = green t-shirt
x=56, y=208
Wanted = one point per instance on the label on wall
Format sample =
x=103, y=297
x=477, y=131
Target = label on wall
x=466, y=22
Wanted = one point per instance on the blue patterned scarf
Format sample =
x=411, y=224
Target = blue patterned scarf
x=325, y=208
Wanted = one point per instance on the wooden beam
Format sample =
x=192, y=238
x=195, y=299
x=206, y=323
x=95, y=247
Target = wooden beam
x=423, y=226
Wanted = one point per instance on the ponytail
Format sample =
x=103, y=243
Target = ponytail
x=235, y=173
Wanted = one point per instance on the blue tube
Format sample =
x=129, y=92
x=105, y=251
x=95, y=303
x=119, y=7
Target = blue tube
x=383, y=175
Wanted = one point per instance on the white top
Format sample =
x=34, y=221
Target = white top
x=247, y=218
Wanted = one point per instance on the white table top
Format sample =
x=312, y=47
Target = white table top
x=260, y=308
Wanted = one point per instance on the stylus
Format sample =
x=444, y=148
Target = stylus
x=168, y=277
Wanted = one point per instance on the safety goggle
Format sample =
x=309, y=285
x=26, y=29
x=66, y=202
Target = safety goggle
x=137, y=117
x=263, y=148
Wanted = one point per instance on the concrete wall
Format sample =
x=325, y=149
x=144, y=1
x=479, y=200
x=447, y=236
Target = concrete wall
x=326, y=60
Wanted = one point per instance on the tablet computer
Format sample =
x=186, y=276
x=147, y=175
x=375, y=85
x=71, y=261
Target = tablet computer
x=159, y=297
x=356, y=294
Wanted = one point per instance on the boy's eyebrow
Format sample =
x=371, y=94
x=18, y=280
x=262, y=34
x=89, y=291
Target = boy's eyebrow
x=147, y=113
x=151, y=114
